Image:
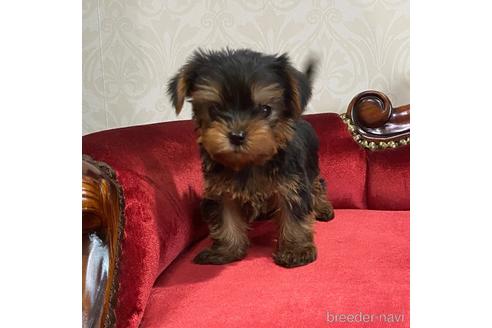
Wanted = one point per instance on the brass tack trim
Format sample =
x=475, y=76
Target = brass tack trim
x=371, y=145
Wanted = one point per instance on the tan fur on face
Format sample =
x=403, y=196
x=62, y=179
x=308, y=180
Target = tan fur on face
x=266, y=94
x=260, y=141
x=214, y=139
x=283, y=132
x=206, y=93
x=260, y=145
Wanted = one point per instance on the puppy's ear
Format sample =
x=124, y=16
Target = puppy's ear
x=299, y=85
x=179, y=87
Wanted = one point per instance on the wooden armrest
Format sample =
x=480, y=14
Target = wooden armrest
x=375, y=124
x=102, y=225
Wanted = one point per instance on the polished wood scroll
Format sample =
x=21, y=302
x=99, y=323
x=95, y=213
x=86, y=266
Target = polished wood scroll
x=375, y=124
x=102, y=220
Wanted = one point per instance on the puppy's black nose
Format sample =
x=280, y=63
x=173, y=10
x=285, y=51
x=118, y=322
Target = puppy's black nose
x=237, y=137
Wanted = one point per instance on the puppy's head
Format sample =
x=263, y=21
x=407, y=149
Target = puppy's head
x=244, y=103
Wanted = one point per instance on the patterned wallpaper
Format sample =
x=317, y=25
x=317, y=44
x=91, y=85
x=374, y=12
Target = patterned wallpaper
x=132, y=47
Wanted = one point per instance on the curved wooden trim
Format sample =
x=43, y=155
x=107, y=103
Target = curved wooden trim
x=102, y=226
x=375, y=123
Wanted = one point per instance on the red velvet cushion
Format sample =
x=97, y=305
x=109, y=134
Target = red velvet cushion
x=388, y=179
x=362, y=266
x=342, y=162
x=158, y=168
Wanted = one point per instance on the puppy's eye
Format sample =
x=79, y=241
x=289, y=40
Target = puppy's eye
x=265, y=110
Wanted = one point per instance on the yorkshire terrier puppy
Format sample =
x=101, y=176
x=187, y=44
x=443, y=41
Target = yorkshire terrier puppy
x=259, y=157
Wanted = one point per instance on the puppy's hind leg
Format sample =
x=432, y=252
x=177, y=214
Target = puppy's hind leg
x=227, y=230
x=322, y=206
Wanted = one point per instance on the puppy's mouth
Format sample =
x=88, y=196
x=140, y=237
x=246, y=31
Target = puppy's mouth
x=236, y=149
x=238, y=158
x=239, y=149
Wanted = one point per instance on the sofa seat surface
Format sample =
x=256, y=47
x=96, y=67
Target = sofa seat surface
x=362, y=270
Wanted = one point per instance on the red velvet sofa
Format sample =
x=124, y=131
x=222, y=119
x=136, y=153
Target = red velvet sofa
x=141, y=192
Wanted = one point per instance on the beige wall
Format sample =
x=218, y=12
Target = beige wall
x=131, y=48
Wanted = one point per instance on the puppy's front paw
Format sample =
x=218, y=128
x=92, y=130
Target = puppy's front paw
x=212, y=256
x=295, y=255
x=326, y=215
